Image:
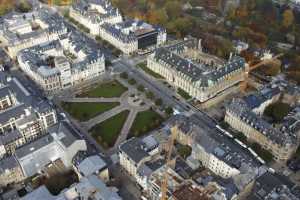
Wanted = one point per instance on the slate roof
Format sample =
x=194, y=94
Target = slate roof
x=129, y=31
x=196, y=73
x=272, y=186
x=91, y=165
x=24, y=98
x=36, y=58
x=135, y=149
x=215, y=142
x=53, y=20
x=282, y=137
x=84, y=8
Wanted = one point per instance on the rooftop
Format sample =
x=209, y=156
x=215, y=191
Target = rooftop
x=36, y=56
x=130, y=30
x=272, y=186
x=15, y=22
x=215, y=142
x=282, y=137
x=90, y=9
x=24, y=100
x=91, y=165
x=139, y=148
x=202, y=74
x=90, y=187
x=190, y=192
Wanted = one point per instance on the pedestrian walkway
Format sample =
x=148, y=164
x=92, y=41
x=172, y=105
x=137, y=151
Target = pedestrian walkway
x=130, y=100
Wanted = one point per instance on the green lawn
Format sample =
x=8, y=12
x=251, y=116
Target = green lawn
x=144, y=67
x=183, y=94
x=55, y=184
x=107, y=132
x=263, y=153
x=85, y=111
x=277, y=111
x=183, y=150
x=107, y=90
x=144, y=122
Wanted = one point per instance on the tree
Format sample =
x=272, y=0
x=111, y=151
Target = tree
x=173, y=9
x=6, y=6
x=124, y=75
x=150, y=95
x=24, y=6
x=288, y=18
x=132, y=81
x=158, y=17
x=141, y=88
x=277, y=111
x=184, y=151
x=169, y=110
x=158, y=102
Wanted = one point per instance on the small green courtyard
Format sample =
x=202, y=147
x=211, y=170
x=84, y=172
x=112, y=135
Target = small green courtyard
x=277, y=111
x=106, y=90
x=107, y=132
x=144, y=122
x=84, y=111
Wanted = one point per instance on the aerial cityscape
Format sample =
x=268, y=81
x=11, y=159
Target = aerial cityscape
x=149, y=100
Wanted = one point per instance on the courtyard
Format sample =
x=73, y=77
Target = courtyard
x=106, y=90
x=107, y=132
x=87, y=110
x=112, y=112
x=144, y=122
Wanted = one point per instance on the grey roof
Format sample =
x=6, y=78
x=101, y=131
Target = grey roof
x=147, y=168
x=70, y=135
x=103, y=192
x=239, y=108
x=136, y=26
x=91, y=165
x=202, y=75
x=35, y=56
x=8, y=163
x=34, y=156
x=12, y=136
x=272, y=186
x=12, y=112
x=182, y=168
x=4, y=91
x=34, y=146
x=24, y=98
x=90, y=187
x=135, y=149
x=84, y=8
x=65, y=133
x=215, y=142
x=53, y=20
x=40, y=193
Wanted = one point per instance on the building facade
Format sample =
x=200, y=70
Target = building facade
x=215, y=152
x=21, y=31
x=72, y=64
x=93, y=13
x=23, y=117
x=132, y=35
x=185, y=66
x=60, y=143
x=135, y=152
x=282, y=143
